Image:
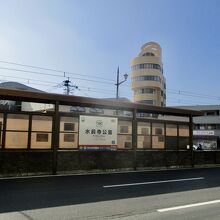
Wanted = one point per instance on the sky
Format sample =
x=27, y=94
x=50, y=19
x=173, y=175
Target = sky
x=87, y=40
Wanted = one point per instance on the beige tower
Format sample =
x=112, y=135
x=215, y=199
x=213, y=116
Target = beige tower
x=148, y=81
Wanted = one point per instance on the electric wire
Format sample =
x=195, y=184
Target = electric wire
x=169, y=91
x=54, y=70
x=55, y=75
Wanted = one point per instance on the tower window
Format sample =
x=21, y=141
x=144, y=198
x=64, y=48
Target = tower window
x=148, y=54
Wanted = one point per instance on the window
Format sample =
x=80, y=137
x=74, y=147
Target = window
x=148, y=102
x=124, y=141
x=68, y=132
x=158, y=142
x=184, y=130
x=17, y=122
x=124, y=134
x=145, y=91
x=171, y=136
x=211, y=126
x=171, y=130
x=96, y=110
x=146, y=66
x=158, y=131
x=123, y=129
x=69, y=137
x=145, y=131
x=147, y=143
x=16, y=131
x=69, y=126
x=42, y=123
x=202, y=127
x=144, y=135
x=148, y=54
x=146, y=78
x=41, y=133
x=68, y=108
x=40, y=137
x=158, y=136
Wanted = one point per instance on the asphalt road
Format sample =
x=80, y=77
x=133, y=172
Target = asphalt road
x=175, y=194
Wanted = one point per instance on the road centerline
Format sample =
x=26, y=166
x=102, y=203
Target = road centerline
x=189, y=206
x=153, y=182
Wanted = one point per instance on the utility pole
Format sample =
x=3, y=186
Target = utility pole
x=66, y=83
x=68, y=87
x=119, y=83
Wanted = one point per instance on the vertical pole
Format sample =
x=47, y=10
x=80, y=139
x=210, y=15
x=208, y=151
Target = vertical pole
x=117, y=84
x=68, y=86
x=178, y=143
x=55, y=137
x=4, y=130
x=134, y=137
x=29, y=132
x=191, y=139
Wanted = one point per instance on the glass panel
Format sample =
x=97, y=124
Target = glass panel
x=67, y=108
x=157, y=129
x=10, y=105
x=41, y=123
x=37, y=107
x=17, y=122
x=144, y=128
x=95, y=111
x=16, y=140
x=171, y=130
x=124, y=127
x=122, y=113
x=171, y=143
x=184, y=130
x=183, y=142
x=68, y=140
x=158, y=142
x=40, y=140
x=144, y=142
x=69, y=124
x=42, y=137
x=124, y=141
x=205, y=144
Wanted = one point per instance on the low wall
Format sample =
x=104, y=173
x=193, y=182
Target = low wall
x=78, y=160
x=17, y=163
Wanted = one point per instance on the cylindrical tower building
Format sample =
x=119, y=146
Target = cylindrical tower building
x=148, y=81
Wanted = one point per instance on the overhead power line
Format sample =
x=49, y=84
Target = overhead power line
x=55, y=75
x=55, y=70
x=71, y=75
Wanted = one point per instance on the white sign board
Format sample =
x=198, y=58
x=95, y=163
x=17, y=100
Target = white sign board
x=204, y=132
x=99, y=133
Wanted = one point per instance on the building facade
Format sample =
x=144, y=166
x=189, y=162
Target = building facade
x=206, y=131
x=148, y=82
x=81, y=133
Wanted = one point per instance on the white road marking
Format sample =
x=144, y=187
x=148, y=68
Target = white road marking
x=189, y=206
x=153, y=182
